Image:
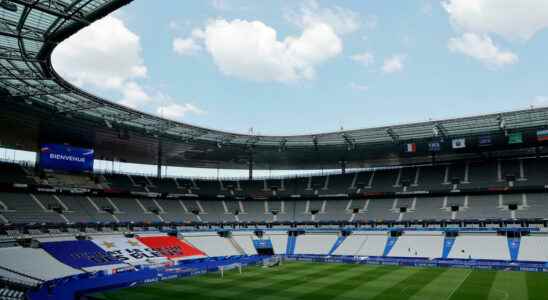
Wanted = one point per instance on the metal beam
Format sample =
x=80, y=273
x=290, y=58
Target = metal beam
x=350, y=141
x=250, y=165
x=393, y=135
x=9, y=28
x=81, y=108
x=283, y=145
x=252, y=141
x=7, y=73
x=439, y=130
x=160, y=161
x=54, y=8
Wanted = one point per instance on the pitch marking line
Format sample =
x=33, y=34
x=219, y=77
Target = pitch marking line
x=404, y=289
x=503, y=292
x=458, y=286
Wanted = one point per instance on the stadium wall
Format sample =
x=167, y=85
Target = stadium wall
x=107, y=278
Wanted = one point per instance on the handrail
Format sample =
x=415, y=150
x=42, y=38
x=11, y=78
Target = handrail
x=22, y=274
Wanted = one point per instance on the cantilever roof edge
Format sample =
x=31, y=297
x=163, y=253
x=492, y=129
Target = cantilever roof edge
x=32, y=32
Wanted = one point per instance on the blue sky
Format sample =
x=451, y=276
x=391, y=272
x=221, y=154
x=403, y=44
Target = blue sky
x=293, y=67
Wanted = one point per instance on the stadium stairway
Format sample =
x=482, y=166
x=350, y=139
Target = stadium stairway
x=447, y=246
x=339, y=241
x=236, y=246
x=9, y=294
x=390, y=242
x=513, y=246
x=291, y=242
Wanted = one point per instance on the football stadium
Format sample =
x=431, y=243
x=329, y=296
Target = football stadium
x=451, y=208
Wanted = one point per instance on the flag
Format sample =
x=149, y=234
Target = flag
x=434, y=146
x=459, y=143
x=410, y=148
x=542, y=135
x=484, y=141
x=128, y=250
x=515, y=138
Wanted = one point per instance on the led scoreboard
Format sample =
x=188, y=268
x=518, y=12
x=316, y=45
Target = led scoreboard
x=66, y=158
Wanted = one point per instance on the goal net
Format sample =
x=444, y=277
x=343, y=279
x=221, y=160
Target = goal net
x=273, y=261
x=235, y=266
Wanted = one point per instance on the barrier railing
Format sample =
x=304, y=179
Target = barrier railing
x=70, y=288
x=426, y=262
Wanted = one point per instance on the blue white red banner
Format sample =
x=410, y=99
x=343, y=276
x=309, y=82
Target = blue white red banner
x=79, y=254
x=129, y=250
x=410, y=148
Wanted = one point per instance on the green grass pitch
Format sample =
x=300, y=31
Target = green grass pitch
x=317, y=281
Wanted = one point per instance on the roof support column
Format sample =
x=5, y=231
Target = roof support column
x=250, y=166
x=343, y=167
x=160, y=160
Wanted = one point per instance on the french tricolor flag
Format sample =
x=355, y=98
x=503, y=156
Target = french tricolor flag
x=410, y=148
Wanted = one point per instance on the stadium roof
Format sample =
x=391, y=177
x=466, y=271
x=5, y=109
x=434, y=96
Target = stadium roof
x=31, y=29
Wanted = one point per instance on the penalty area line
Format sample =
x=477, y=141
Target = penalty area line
x=458, y=286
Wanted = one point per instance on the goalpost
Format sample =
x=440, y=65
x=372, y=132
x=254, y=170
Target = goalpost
x=270, y=262
x=224, y=268
x=273, y=261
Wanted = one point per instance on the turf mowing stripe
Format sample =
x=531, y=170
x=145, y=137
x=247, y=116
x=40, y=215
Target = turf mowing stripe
x=215, y=293
x=316, y=281
x=258, y=275
x=443, y=287
x=281, y=286
x=183, y=283
x=509, y=285
x=536, y=285
x=476, y=286
x=343, y=284
x=408, y=287
x=243, y=288
x=214, y=280
x=196, y=285
x=165, y=293
x=459, y=284
x=371, y=289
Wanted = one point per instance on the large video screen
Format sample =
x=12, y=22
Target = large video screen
x=66, y=158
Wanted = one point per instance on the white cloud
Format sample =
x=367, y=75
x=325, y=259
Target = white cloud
x=512, y=19
x=483, y=49
x=539, y=101
x=343, y=20
x=394, y=64
x=133, y=95
x=176, y=111
x=104, y=55
x=365, y=58
x=426, y=7
x=359, y=87
x=185, y=46
x=252, y=50
x=198, y=33
x=108, y=56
